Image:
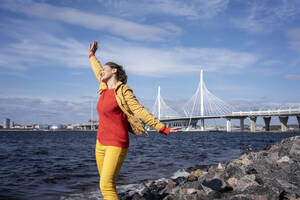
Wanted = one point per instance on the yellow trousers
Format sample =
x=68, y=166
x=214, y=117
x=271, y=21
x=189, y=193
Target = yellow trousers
x=109, y=161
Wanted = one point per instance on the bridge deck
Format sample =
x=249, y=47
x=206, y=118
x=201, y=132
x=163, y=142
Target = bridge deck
x=240, y=115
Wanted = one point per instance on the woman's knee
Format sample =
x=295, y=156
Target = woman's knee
x=107, y=185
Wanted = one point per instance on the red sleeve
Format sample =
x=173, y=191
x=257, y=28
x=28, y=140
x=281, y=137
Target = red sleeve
x=164, y=130
x=91, y=54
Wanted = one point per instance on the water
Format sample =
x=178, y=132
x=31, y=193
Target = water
x=61, y=165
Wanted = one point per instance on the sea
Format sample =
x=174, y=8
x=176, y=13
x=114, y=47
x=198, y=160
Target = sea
x=60, y=165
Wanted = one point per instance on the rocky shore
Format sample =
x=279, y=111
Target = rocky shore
x=269, y=174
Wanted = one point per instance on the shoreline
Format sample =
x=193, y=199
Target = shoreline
x=270, y=173
x=59, y=130
x=196, y=131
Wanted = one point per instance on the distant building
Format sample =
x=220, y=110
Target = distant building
x=6, y=123
x=18, y=126
x=57, y=127
x=43, y=126
x=29, y=126
x=11, y=124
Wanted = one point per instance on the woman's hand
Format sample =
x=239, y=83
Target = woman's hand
x=93, y=48
x=172, y=130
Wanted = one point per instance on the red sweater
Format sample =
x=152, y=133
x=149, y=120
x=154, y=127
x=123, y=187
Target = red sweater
x=113, y=123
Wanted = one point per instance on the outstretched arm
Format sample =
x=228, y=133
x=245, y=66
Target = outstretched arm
x=143, y=114
x=96, y=65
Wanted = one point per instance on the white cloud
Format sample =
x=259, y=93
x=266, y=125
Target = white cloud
x=193, y=9
x=37, y=48
x=117, y=26
x=267, y=15
x=34, y=47
x=164, y=61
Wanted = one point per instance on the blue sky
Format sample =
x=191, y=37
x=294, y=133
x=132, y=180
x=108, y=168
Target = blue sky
x=249, y=51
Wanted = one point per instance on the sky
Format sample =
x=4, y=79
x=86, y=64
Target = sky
x=249, y=51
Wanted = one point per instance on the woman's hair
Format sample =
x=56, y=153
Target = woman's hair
x=121, y=74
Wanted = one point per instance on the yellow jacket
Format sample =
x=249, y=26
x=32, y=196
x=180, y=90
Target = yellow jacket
x=128, y=103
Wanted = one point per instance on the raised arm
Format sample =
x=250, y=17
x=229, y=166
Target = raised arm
x=96, y=65
x=143, y=114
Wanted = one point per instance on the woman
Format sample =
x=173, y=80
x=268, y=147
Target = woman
x=119, y=111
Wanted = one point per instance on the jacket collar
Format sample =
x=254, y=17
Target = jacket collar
x=119, y=83
x=103, y=86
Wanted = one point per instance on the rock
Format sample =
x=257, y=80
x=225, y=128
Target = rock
x=220, y=167
x=168, y=188
x=136, y=196
x=170, y=197
x=207, y=190
x=251, y=170
x=214, y=184
x=179, y=180
x=233, y=170
x=284, y=159
x=242, y=160
x=232, y=182
x=195, y=174
x=295, y=149
x=185, y=191
x=246, y=197
x=175, y=190
x=286, y=184
x=273, y=156
x=245, y=182
x=211, y=169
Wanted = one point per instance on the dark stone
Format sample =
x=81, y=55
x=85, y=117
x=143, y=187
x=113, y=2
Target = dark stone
x=259, y=180
x=251, y=171
x=179, y=180
x=215, y=184
x=154, y=196
x=282, y=195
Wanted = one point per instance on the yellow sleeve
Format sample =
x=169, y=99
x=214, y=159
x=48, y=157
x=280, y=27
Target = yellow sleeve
x=96, y=66
x=139, y=111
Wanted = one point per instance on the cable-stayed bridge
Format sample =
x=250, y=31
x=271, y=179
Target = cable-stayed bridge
x=204, y=105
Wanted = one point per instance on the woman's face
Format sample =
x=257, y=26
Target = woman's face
x=107, y=73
